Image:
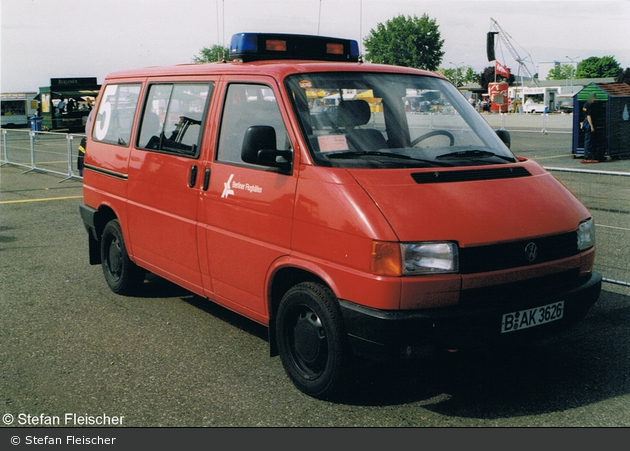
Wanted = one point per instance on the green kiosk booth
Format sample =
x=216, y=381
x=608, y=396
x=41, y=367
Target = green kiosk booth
x=611, y=112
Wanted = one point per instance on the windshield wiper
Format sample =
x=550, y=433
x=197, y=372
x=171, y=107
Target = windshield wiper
x=377, y=153
x=474, y=154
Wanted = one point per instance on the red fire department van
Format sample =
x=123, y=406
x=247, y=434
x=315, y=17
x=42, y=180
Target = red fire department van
x=385, y=221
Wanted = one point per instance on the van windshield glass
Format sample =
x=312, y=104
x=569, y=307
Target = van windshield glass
x=384, y=120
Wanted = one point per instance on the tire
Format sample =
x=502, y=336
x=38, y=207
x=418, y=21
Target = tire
x=312, y=342
x=121, y=274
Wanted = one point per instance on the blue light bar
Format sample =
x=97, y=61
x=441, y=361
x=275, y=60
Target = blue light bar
x=273, y=46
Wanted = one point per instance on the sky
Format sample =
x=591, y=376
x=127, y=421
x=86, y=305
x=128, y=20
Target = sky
x=44, y=39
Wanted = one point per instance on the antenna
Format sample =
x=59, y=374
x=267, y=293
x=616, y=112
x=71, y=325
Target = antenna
x=319, y=17
x=223, y=24
x=361, y=28
x=218, y=26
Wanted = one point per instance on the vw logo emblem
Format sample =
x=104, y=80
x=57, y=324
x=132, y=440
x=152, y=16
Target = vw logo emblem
x=531, y=252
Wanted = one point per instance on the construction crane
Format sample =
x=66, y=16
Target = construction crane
x=522, y=61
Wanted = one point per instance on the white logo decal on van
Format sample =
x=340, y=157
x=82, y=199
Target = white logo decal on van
x=226, y=188
x=230, y=186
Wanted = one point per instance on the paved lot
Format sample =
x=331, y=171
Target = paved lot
x=173, y=359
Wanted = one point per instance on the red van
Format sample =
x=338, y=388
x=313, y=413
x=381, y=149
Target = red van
x=385, y=221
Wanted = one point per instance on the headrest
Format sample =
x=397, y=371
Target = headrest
x=351, y=113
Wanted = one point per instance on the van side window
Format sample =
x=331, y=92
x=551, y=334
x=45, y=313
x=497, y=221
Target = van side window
x=246, y=106
x=172, y=118
x=115, y=114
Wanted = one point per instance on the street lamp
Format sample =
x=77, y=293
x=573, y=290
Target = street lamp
x=572, y=64
x=456, y=71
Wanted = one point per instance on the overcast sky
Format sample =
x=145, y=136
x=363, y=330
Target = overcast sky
x=44, y=39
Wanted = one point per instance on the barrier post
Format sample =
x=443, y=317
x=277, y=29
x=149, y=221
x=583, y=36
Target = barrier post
x=4, y=148
x=544, y=123
x=69, y=139
x=31, y=135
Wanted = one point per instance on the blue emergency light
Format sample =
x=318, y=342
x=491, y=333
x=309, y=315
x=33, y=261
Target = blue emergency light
x=274, y=46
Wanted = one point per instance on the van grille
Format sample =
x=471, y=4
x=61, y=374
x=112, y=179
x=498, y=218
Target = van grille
x=470, y=175
x=519, y=253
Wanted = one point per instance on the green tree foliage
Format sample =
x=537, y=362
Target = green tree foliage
x=624, y=77
x=460, y=76
x=561, y=72
x=595, y=67
x=212, y=54
x=406, y=41
x=488, y=76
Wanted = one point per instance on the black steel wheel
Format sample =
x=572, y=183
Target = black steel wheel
x=122, y=275
x=312, y=341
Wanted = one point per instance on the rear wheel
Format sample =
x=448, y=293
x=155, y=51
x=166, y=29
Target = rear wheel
x=122, y=275
x=311, y=340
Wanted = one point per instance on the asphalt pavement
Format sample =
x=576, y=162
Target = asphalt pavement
x=169, y=358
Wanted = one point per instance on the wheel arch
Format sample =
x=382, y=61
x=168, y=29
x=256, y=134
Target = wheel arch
x=104, y=214
x=95, y=222
x=281, y=280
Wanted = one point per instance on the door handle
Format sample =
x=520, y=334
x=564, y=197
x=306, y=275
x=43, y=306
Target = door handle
x=192, y=179
x=206, y=179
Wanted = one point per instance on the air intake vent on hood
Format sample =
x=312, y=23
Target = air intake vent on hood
x=470, y=175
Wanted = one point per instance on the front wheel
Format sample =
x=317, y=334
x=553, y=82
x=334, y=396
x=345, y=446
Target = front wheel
x=311, y=340
x=122, y=275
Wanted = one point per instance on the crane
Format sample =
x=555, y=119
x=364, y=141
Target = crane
x=522, y=61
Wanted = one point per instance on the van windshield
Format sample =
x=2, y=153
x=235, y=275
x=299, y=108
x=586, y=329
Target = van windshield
x=384, y=120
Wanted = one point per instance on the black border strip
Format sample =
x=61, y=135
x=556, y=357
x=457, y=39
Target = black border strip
x=118, y=175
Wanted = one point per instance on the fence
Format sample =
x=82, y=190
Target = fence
x=606, y=194
x=42, y=151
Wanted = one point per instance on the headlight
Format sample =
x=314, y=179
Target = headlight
x=396, y=259
x=423, y=258
x=586, y=234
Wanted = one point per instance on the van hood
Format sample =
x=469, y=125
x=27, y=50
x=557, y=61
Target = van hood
x=473, y=206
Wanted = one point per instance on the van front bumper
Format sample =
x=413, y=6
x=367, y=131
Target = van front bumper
x=386, y=334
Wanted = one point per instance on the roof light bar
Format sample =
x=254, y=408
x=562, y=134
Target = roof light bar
x=272, y=46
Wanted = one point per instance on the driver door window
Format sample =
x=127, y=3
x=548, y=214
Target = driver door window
x=248, y=105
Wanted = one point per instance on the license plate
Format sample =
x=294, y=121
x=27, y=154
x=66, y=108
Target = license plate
x=532, y=317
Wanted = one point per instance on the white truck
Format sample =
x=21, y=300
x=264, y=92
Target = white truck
x=17, y=108
x=539, y=100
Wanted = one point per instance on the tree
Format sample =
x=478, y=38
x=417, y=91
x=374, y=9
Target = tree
x=212, y=54
x=561, y=72
x=595, y=67
x=471, y=76
x=460, y=76
x=406, y=41
x=488, y=76
x=624, y=77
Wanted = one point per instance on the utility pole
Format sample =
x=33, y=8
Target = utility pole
x=456, y=72
x=572, y=67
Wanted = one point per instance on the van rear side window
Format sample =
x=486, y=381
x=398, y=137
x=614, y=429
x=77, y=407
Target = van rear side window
x=172, y=118
x=114, y=118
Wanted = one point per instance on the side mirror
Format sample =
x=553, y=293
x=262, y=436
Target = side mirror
x=259, y=147
x=504, y=135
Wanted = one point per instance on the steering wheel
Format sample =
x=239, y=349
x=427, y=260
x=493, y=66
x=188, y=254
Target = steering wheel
x=433, y=133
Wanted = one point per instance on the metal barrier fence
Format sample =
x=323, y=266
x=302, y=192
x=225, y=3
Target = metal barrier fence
x=55, y=153
x=606, y=194
x=536, y=123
